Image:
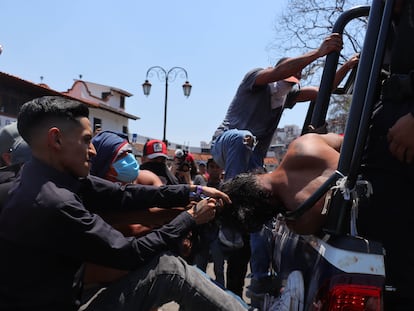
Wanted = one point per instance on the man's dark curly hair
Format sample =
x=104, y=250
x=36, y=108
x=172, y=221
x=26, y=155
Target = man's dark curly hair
x=251, y=205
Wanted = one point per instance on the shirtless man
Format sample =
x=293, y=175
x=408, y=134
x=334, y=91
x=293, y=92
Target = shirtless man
x=310, y=160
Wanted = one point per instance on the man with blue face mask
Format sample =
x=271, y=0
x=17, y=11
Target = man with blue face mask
x=126, y=167
x=116, y=162
x=51, y=216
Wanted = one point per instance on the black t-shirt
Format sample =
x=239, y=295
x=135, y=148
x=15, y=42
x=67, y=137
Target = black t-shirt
x=161, y=170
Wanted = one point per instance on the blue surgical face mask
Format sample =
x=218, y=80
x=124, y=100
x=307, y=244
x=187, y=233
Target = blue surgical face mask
x=127, y=168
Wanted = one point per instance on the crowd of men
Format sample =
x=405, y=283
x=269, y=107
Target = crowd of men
x=59, y=181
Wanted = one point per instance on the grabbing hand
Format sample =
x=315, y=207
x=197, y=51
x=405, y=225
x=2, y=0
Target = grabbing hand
x=204, y=211
x=332, y=43
x=217, y=194
x=401, y=139
x=353, y=61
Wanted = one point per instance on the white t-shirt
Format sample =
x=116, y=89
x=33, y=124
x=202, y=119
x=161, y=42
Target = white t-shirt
x=279, y=91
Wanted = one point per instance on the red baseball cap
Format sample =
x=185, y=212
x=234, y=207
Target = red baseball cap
x=292, y=79
x=155, y=148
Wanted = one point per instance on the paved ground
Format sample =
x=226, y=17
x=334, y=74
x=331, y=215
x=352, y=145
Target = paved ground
x=172, y=306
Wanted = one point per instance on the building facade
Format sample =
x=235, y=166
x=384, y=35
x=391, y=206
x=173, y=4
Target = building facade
x=106, y=104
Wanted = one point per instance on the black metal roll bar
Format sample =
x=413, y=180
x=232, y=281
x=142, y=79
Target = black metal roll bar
x=365, y=95
x=316, y=114
x=328, y=74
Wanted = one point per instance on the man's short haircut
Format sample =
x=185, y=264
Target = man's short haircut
x=47, y=111
x=251, y=206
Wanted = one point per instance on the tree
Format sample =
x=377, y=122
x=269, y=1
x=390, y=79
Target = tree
x=338, y=113
x=302, y=27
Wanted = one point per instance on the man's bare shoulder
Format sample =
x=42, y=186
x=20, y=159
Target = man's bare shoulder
x=313, y=141
x=312, y=147
x=302, y=144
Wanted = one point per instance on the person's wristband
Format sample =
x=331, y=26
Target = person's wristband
x=199, y=190
x=195, y=195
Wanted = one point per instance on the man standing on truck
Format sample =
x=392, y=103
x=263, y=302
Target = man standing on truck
x=241, y=141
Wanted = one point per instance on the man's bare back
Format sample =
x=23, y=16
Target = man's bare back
x=310, y=160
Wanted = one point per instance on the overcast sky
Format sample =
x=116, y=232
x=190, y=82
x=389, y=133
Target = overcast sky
x=115, y=42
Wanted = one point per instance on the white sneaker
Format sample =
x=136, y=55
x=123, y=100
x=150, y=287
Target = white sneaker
x=292, y=297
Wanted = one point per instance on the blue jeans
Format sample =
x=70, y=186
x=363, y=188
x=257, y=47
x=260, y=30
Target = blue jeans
x=166, y=278
x=230, y=153
x=261, y=246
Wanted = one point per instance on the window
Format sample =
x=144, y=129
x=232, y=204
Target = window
x=105, y=95
x=122, y=102
x=97, y=125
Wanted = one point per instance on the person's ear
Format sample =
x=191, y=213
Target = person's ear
x=54, y=138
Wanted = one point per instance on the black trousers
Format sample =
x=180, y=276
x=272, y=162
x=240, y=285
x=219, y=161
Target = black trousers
x=237, y=262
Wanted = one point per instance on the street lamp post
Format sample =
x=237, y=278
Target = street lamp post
x=164, y=75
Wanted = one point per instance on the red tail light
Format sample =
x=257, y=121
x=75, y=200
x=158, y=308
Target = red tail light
x=348, y=297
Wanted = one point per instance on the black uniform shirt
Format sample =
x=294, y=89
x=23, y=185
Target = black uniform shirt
x=47, y=232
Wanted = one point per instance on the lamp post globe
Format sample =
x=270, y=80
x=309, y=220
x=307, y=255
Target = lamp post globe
x=146, y=87
x=187, y=88
x=166, y=76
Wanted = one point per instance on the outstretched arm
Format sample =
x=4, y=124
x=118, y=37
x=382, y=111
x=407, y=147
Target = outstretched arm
x=292, y=66
x=310, y=93
x=307, y=93
x=344, y=69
